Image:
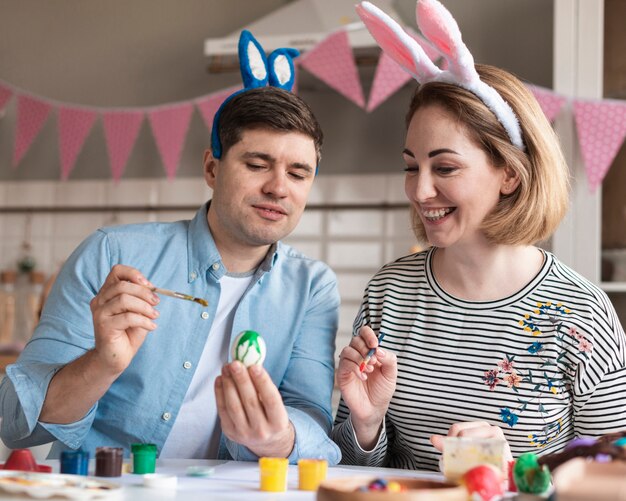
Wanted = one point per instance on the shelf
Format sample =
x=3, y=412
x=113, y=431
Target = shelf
x=613, y=286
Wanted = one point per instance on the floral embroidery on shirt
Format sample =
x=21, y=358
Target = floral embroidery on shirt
x=547, y=318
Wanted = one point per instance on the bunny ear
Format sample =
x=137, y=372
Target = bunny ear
x=281, y=70
x=396, y=43
x=439, y=27
x=252, y=61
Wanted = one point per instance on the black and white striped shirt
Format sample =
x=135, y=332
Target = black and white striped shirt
x=546, y=363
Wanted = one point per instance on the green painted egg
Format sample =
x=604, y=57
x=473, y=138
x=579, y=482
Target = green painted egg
x=249, y=348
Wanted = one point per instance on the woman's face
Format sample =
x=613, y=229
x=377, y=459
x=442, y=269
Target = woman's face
x=450, y=180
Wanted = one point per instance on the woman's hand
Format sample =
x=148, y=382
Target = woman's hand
x=474, y=429
x=367, y=394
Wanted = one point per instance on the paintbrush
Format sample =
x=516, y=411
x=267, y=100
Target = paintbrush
x=180, y=295
x=370, y=354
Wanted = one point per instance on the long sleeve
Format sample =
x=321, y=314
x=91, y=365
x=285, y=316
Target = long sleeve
x=56, y=342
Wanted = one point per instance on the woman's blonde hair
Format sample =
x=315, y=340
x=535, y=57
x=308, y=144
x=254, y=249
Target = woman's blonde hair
x=534, y=210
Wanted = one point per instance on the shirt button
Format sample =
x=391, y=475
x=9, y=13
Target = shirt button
x=193, y=275
x=204, y=315
x=187, y=365
x=216, y=266
x=166, y=416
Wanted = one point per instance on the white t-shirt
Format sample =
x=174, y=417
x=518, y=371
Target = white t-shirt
x=196, y=432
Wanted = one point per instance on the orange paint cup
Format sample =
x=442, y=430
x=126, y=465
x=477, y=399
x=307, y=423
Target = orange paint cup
x=273, y=474
x=311, y=473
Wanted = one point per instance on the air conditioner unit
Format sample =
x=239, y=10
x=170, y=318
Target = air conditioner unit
x=301, y=24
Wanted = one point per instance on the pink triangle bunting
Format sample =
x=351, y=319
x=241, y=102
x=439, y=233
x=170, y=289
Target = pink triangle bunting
x=31, y=115
x=209, y=105
x=5, y=95
x=390, y=76
x=332, y=62
x=121, y=129
x=74, y=126
x=169, y=127
x=601, y=129
x=550, y=102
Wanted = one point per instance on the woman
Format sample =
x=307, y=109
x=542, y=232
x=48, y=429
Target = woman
x=486, y=335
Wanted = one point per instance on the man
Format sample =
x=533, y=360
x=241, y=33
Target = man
x=112, y=363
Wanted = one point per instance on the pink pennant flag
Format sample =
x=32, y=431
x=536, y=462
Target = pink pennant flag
x=31, y=115
x=601, y=129
x=390, y=76
x=209, y=105
x=5, y=95
x=332, y=62
x=550, y=102
x=120, y=130
x=74, y=125
x=169, y=127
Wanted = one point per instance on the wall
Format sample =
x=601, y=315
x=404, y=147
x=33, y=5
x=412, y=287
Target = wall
x=148, y=52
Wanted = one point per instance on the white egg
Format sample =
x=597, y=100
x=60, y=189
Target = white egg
x=249, y=348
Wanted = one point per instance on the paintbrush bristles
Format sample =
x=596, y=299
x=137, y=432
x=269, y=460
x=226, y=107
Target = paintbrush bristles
x=180, y=295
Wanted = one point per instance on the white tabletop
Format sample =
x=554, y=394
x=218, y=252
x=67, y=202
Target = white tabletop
x=230, y=480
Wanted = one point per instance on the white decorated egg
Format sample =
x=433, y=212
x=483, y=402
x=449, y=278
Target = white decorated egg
x=249, y=348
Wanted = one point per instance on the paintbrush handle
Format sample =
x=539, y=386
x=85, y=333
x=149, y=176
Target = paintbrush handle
x=180, y=295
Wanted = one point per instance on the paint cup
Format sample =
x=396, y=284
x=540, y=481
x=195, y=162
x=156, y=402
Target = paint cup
x=109, y=461
x=144, y=458
x=22, y=460
x=273, y=474
x=75, y=462
x=311, y=473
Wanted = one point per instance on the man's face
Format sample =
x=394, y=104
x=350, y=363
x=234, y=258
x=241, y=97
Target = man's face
x=260, y=187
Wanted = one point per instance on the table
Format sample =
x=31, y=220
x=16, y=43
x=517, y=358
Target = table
x=232, y=480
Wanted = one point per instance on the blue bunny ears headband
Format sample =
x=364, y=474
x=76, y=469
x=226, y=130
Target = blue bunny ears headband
x=257, y=71
x=439, y=27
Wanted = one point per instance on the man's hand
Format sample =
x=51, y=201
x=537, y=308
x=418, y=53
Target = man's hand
x=252, y=412
x=123, y=314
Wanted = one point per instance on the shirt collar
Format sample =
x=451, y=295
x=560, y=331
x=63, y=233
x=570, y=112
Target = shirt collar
x=202, y=254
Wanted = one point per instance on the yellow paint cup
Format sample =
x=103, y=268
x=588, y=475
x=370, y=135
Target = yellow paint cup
x=273, y=474
x=311, y=472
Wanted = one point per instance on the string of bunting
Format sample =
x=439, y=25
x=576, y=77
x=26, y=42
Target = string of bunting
x=600, y=124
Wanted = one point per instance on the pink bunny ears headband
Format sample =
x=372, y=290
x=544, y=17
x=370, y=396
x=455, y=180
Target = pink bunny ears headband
x=257, y=71
x=439, y=27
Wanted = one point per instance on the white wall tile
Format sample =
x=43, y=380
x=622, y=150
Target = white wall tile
x=394, y=189
x=132, y=192
x=355, y=255
x=182, y=191
x=347, y=314
x=310, y=224
x=170, y=216
x=80, y=193
x=354, y=189
x=308, y=248
x=77, y=225
x=365, y=223
x=398, y=223
x=29, y=194
x=352, y=285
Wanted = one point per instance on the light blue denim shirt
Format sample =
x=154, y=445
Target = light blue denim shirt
x=292, y=301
